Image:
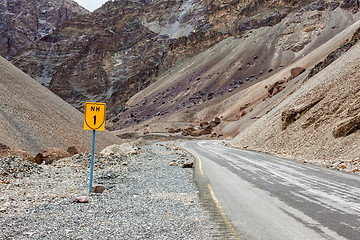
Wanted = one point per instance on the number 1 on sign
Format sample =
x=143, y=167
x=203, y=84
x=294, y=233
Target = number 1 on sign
x=95, y=120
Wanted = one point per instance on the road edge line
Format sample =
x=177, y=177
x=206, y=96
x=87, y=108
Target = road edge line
x=212, y=194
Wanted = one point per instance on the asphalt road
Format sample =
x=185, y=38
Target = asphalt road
x=266, y=197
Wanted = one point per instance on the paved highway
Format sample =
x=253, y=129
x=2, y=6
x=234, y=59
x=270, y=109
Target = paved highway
x=266, y=197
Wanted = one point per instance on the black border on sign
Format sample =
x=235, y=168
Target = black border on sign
x=94, y=103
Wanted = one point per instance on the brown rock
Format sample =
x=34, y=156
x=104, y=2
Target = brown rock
x=39, y=158
x=53, y=154
x=296, y=72
x=291, y=115
x=98, y=189
x=187, y=131
x=276, y=88
x=200, y=132
x=202, y=124
x=347, y=127
x=3, y=147
x=172, y=130
x=217, y=121
x=49, y=155
x=72, y=150
x=174, y=164
x=188, y=165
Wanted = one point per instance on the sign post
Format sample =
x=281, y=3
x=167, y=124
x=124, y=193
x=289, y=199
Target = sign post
x=94, y=119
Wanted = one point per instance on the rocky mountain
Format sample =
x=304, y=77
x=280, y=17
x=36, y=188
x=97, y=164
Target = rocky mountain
x=175, y=64
x=33, y=118
x=222, y=80
x=123, y=47
x=23, y=22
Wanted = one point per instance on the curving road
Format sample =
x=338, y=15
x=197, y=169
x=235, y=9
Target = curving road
x=266, y=197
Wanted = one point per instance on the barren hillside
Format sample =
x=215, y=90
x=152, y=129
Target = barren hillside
x=230, y=79
x=318, y=121
x=33, y=118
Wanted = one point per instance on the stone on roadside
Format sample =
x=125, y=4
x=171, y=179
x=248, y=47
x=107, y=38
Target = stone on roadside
x=98, y=189
x=82, y=199
x=174, y=164
x=187, y=165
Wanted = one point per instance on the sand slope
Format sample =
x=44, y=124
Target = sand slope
x=32, y=117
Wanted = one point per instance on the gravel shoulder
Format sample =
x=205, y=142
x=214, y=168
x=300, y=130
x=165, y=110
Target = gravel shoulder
x=145, y=198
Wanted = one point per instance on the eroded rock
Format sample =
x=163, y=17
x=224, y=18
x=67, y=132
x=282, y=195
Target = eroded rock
x=347, y=126
x=291, y=115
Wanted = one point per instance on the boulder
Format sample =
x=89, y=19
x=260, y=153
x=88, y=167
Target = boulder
x=53, y=154
x=296, y=72
x=276, y=87
x=347, y=127
x=200, y=132
x=187, y=131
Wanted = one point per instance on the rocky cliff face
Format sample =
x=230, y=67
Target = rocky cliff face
x=123, y=47
x=23, y=22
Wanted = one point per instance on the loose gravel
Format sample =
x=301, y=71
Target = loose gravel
x=145, y=198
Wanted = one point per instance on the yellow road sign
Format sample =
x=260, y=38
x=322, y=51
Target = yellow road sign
x=94, y=116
